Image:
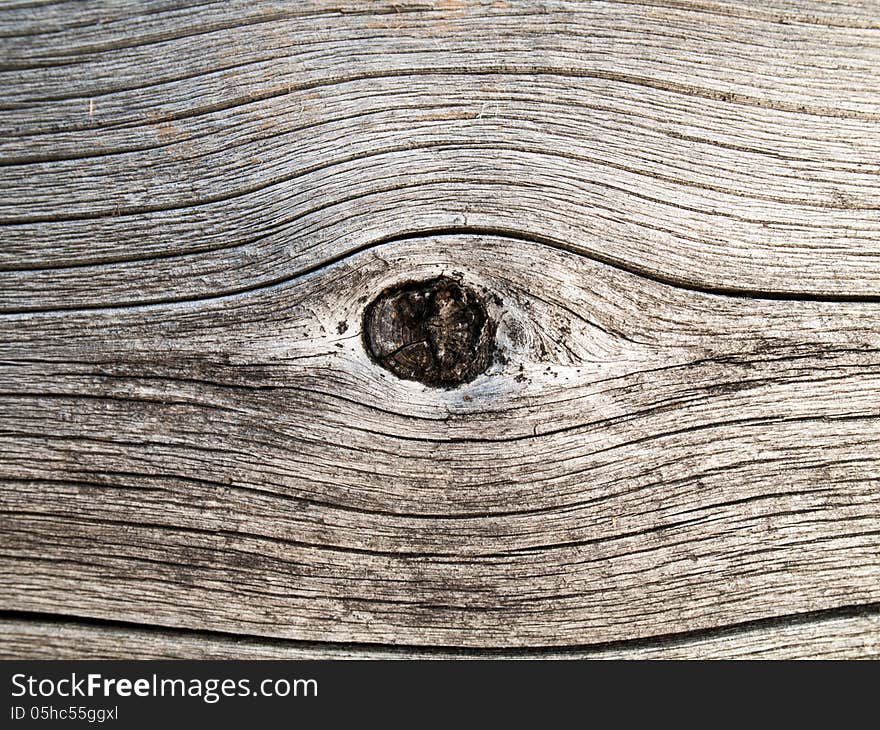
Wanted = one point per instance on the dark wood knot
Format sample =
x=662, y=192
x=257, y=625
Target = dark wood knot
x=436, y=331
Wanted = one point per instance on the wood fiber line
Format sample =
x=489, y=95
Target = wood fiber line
x=672, y=213
x=841, y=634
x=309, y=131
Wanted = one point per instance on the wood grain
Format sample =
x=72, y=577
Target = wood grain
x=672, y=209
x=838, y=635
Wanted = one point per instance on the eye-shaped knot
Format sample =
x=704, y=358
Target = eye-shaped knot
x=437, y=332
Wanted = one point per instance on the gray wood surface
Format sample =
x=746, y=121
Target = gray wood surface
x=848, y=636
x=673, y=211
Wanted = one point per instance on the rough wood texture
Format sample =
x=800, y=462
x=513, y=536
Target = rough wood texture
x=854, y=636
x=672, y=209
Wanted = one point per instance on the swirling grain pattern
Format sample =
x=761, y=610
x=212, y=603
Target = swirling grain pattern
x=672, y=208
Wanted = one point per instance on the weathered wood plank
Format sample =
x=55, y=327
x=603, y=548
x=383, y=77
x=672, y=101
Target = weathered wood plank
x=709, y=144
x=671, y=210
x=845, y=637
